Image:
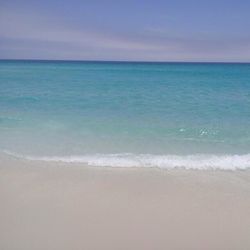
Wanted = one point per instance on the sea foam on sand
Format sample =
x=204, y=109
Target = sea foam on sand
x=200, y=162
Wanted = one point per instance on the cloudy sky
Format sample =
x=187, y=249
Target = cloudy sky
x=131, y=30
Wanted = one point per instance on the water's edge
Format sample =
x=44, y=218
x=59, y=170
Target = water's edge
x=199, y=162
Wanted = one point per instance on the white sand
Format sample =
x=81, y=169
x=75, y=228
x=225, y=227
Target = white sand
x=57, y=206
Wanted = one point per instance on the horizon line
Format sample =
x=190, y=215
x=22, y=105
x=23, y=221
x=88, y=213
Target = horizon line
x=118, y=61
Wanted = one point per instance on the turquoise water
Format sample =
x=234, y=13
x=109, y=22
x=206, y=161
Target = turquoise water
x=127, y=114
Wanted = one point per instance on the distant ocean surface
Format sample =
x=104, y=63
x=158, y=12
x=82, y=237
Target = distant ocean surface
x=167, y=115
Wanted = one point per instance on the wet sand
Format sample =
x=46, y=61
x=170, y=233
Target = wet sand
x=65, y=206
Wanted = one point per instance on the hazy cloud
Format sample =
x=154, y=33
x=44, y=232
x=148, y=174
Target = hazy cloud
x=25, y=34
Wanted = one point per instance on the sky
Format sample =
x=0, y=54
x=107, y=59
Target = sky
x=128, y=30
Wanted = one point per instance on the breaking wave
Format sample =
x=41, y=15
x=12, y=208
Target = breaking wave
x=201, y=162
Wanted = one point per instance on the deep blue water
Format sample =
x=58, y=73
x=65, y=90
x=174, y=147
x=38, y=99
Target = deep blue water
x=50, y=108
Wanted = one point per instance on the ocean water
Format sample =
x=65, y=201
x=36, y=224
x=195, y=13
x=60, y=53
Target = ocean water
x=192, y=115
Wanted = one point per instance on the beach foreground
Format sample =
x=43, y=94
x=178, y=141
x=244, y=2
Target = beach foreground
x=60, y=206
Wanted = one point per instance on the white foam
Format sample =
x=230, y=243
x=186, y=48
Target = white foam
x=201, y=162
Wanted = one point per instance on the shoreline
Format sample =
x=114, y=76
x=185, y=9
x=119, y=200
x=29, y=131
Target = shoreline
x=54, y=206
x=207, y=162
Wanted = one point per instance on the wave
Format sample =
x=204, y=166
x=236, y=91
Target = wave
x=201, y=162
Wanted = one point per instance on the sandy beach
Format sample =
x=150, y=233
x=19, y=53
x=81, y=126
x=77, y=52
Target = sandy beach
x=124, y=125
x=58, y=206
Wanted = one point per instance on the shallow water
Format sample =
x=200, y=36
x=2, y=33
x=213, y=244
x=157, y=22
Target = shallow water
x=142, y=114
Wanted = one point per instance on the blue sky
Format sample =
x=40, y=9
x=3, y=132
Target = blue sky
x=149, y=30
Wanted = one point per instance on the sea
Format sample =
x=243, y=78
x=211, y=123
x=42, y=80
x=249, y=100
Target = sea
x=126, y=114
